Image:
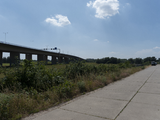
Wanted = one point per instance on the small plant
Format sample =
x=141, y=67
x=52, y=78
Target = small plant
x=81, y=86
x=143, y=67
x=64, y=90
x=4, y=104
x=1, y=70
x=58, y=80
x=103, y=79
x=30, y=76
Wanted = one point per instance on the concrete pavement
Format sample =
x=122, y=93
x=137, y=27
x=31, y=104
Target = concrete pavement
x=136, y=97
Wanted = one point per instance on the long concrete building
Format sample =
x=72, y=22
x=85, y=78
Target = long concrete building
x=42, y=55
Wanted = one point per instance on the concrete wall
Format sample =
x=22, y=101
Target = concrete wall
x=45, y=58
x=39, y=57
x=60, y=59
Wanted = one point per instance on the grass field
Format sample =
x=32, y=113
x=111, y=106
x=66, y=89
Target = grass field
x=28, y=89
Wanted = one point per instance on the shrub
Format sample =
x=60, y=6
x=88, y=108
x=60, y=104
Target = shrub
x=64, y=90
x=4, y=104
x=81, y=86
x=103, y=79
x=75, y=69
x=30, y=76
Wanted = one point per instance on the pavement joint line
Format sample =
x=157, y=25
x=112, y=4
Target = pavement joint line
x=150, y=93
x=86, y=114
x=146, y=103
x=128, y=90
x=154, y=82
x=108, y=98
x=134, y=95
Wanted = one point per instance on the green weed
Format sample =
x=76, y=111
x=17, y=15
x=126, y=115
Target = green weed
x=81, y=86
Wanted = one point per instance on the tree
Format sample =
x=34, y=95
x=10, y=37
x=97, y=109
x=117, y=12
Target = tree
x=153, y=59
x=113, y=60
x=4, y=60
x=138, y=61
x=107, y=60
x=131, y=60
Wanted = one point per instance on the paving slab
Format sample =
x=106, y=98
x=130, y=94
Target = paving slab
x=60, y=114
x=113, y=94
x=151, y=88
x=105, y=108
x=154, y=80
x=135, y=79
x=124, y=87
x=138, y=111
x=146, y=98
x=127, y=83
x=145, y=73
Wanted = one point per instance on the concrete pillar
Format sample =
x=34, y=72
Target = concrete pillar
x=0, y=58
x=66, y=60
x=54, y=60
x=45, y=59
x=39, y=57
x=42, y=58
x=28, y=56
x=14, y=58
x=60, y=59
x=69, y=60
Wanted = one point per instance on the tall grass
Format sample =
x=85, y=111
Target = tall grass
x=32, y=88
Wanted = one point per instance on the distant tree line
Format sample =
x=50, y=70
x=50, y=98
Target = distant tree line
x=114, y=60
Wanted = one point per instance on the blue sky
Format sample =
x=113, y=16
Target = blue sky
x=88, y=29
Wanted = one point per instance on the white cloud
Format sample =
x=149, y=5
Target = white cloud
x=96, y=40
x=128, y=4
x=148, y=52
x=104, y=8
x=89, y=4
x=156, y=47
x=112, y=53
x=144, y=52
x=58, y=20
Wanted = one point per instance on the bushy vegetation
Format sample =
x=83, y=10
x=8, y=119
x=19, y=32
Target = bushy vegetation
x=30, y=88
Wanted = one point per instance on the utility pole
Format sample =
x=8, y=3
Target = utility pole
x=5, y=35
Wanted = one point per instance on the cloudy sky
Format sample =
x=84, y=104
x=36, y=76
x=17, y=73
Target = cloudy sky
x=88, y=29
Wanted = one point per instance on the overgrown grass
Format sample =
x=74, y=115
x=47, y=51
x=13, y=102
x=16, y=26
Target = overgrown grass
x=6, y=64
x=32, y=88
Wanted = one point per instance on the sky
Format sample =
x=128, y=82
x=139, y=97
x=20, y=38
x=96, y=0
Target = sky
x=84, y=28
